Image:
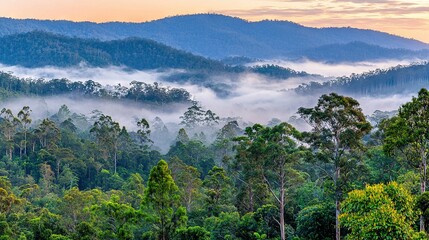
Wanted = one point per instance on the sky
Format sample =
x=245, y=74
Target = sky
x=408, y=18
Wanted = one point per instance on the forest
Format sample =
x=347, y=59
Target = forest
x=41, y=49
x=141, y=92
x=379, y=82
x=72, y=176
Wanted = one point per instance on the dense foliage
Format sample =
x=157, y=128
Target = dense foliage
x=71, y=176
x=138, y=91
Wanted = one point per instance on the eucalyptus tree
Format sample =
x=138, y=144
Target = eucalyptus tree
x=48, y=134
x=9, y=125
x=338, y=125
x=24, y=117
x=107, y=133
x=275, y=152
x=144, y=131
x=193, y=116
x=407, y=136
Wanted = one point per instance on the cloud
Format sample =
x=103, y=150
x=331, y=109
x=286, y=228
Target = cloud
x=404, y=18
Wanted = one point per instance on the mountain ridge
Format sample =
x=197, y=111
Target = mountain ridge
x=217, y=36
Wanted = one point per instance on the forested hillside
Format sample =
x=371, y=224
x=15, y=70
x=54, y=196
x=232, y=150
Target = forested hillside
x=41, y=49
x=380, y=82
x=156, y=94
x=219, y=36
x=73, y=176
x=358, y=51
x=38, y=49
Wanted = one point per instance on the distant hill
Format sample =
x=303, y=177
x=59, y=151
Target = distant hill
x=218, y=36
x=358, y=51
x=380, y=82
x=41, y=49
x=38, y=49
x=139, y=92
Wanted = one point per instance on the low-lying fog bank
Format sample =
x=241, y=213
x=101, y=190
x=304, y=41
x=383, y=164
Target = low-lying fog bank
x=253, y=97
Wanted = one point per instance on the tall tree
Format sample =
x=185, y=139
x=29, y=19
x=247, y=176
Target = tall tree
x=144, y=131
x=188, y=180
x=24, y=117
x=279, y=150
x=194, y=116
x=407, y=136
x=48, y=133
x=249, y=170
x=162, y=202
x=9, y=127
x=107, y=133
x=338, y=127
x=218, y=189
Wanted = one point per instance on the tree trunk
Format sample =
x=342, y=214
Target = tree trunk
x=25, y=142
x=115, y=160
x=337, y=205
x=423, y=187
x=282, y=205
x=337, y=219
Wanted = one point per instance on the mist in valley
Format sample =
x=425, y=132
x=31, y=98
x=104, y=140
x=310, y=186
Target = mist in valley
x=336, y=69
x=252, y=99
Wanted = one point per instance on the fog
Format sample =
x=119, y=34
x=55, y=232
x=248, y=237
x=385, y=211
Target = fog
x=338, y=69
x=253, y=97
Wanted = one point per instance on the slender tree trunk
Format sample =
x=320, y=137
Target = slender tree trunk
x=115, y=157
x=282, y=204
x=337, y=205
x=423, y=187
x=337, y=189
x=337, y=220
x=25, y=142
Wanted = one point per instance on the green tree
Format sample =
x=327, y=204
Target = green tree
x=143, y=131
x=48, y=134
x=24, y=117
x=162, y=203
x=115, y=220
x=249, y=170
x=188, y=180
x=107, y=133
x=74, y=207
x=193, y=117
x=219, y=192
x=192, y=233
x=7, y=198
x=134, y=189
x=317, y=222
x=278, y=148
x=9, y=125
x=338, y=127
x=407, y=136
x=224, y=226
x=379, y=212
